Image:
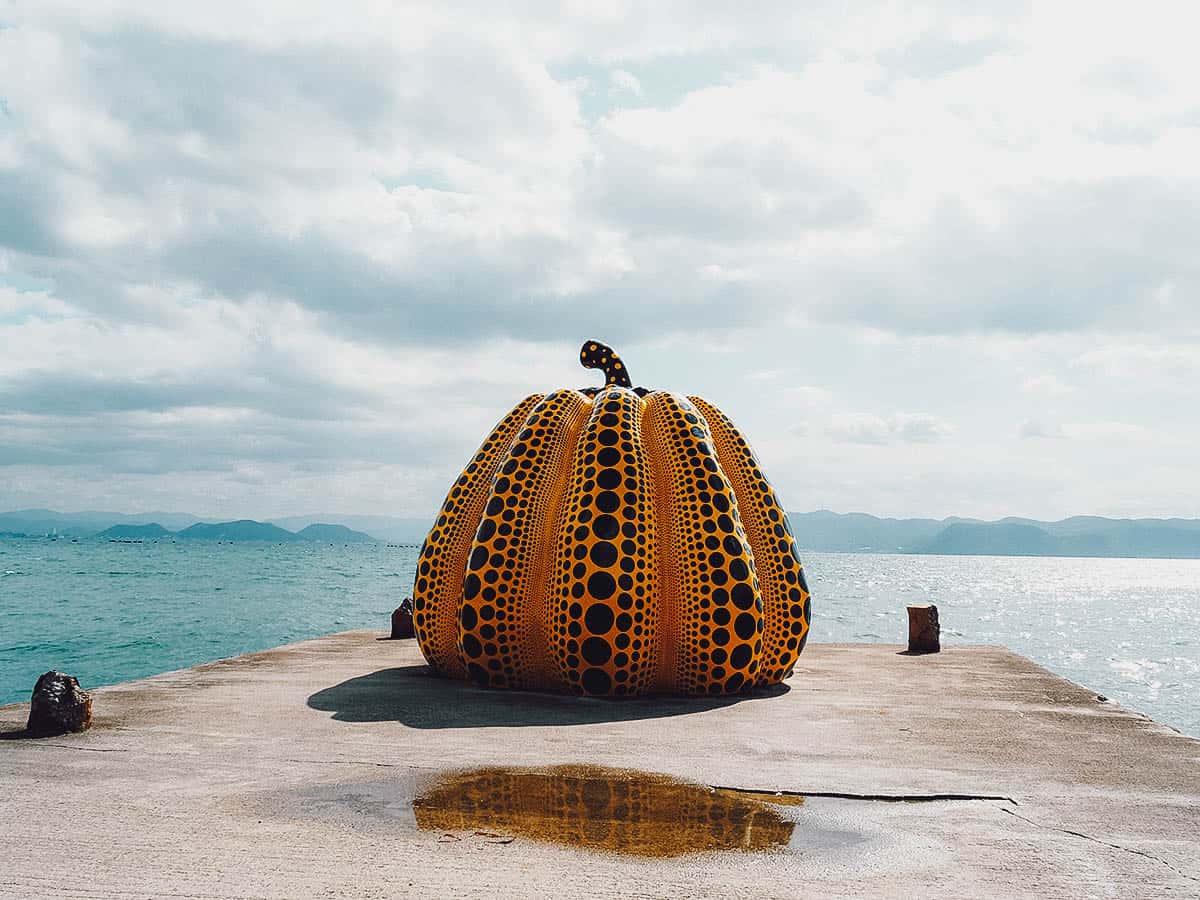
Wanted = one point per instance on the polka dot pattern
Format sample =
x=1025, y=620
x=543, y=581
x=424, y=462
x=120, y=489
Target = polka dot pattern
x=786, y=600
x=612, y=542
x=714, y=611
x=604, y=613
x=595, y=355
x=502, y=635
x=437, y=589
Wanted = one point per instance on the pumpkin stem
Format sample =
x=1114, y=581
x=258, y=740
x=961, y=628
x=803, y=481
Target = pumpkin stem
x=595, y=355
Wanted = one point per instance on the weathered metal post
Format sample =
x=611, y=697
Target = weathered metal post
x=402, y=620
x=924, y=632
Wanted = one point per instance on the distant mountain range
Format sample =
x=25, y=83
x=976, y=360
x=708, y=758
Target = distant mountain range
x=821, y=530
x=1076, y=536
x=241, y=530
x=42, y=522
x=388, y=528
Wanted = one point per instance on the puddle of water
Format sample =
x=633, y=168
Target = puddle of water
x=614, y=810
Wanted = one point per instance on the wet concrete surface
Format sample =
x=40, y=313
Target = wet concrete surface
x=340, y=767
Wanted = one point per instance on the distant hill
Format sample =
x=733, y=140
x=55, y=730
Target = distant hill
x=334, y=534
x=1076, y=536
x=241, y=530
x=991, y=539
x=388, y=528
x=153, y=531
x=824, y=530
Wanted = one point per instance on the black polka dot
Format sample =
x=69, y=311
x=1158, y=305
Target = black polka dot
x=471, y=586
x=599, y=618
x=745, y=625
x=608, y=479
x=605, y=527
x=478, y=557
x=596, y=681
x=468, y=617
x=601, y=585
x=604, y=554
x=743, y=596
x=596, y=651
x=471, y=646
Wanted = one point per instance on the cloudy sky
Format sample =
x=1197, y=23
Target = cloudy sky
x=279, y=258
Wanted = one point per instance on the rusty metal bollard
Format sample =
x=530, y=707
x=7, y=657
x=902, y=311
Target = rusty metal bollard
x=402, y=620
x=924, y=632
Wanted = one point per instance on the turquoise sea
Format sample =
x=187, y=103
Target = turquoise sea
x=109, y=612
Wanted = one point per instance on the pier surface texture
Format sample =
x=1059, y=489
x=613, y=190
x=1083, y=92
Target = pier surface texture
x=291, y=773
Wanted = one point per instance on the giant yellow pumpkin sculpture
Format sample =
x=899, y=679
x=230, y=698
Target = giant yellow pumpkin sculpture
x=612, y=541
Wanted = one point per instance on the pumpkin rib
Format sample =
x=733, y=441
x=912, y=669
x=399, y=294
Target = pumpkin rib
x=718, y=600
x=787, y=604
x=666, y=676
x=500, y=630
x=603, y=618
x=443, y=558
x=544, y=575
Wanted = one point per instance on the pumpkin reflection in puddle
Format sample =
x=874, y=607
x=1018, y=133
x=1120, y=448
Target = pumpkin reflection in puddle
x=635, y=813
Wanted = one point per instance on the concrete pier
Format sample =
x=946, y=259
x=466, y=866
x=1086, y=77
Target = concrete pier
x=291, y=773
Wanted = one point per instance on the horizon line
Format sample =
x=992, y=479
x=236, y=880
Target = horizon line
x=217, y=519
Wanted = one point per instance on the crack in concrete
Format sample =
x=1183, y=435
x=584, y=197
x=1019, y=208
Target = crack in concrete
x=880, y=798
x=1096, y=840
x=355, y=762
x=752, y=793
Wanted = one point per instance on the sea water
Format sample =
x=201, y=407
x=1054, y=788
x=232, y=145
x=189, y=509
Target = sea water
x=108, y=612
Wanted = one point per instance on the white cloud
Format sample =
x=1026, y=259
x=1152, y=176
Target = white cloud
x=277, y=242
x=865, y=428
x=1047, y=385
x=1036, y=428
x=625, y=83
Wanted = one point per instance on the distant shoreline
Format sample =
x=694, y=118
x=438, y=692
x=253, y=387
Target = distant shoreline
x=804, y=551
x=1084, y=537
